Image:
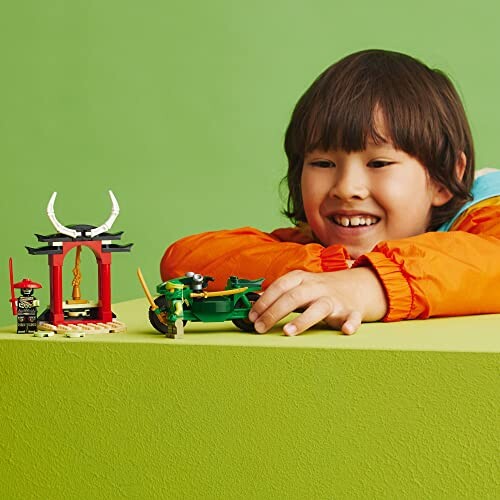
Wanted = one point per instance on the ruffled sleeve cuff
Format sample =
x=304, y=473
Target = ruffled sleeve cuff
x=334, y=258
x=397, y=288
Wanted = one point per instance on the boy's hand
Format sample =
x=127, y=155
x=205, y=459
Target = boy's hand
x=343, y=299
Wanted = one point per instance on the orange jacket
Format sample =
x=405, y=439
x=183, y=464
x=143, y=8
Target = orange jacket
x=433, y=274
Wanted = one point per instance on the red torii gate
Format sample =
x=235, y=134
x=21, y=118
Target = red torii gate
x=104, y=282
x=69, y=237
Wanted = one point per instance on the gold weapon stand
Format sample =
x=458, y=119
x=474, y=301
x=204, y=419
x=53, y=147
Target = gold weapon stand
x=77, y=278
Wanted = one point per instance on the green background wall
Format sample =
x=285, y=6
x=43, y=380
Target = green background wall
x=180, y=107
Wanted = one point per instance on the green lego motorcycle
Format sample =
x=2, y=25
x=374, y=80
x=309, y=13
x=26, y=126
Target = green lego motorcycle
x=184, y=299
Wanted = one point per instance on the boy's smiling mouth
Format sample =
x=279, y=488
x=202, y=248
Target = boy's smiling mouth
x=358, y=231
x=357, y=220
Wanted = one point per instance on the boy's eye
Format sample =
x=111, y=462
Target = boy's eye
x=323, y=164
x=379, y=163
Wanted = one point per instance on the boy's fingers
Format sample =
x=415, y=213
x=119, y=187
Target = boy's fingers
x=287, y=303
x=347, y=322
x=276, y=290
x=352, y=323
x=317, y=311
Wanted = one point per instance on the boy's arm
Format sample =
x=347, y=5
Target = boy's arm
x=442, y=274
x=249, y=253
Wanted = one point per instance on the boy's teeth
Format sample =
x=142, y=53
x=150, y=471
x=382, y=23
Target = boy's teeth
x=356, y=220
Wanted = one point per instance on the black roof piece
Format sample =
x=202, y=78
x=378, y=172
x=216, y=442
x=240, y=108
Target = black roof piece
x=50, y=250
x=117, y=248
x=54, y=250
x=81, y=228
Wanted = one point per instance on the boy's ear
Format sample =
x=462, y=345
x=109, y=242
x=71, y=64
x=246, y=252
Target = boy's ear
x=460, y=166
x=442, y=194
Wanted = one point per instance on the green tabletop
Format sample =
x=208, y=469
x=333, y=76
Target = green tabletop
x=467, y=334
x=402, y=410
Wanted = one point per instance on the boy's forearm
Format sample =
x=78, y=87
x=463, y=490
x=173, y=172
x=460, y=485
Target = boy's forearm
x=247, y=253
x=460, y=275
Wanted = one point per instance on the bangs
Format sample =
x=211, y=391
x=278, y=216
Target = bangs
x=381, y=99
x=348, y=128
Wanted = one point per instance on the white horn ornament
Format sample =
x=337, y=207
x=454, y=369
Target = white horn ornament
x=58, y=226
x=107, y=225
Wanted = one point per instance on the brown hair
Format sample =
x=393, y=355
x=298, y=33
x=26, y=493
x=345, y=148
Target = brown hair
x=423, y=116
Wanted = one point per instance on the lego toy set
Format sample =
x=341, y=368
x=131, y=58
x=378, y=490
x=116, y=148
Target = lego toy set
x=76, y=316
x=184, y=299
x=180, y=300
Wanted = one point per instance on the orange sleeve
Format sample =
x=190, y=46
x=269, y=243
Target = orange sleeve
x=249, y=253
x=442, y=274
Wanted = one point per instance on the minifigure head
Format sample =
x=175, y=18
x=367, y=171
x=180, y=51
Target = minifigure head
x=359, y=111
x=26, y=292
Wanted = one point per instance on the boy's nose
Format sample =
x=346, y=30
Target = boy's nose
x=349, y=183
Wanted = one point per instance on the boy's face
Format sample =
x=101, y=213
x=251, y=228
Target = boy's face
x=359, y=199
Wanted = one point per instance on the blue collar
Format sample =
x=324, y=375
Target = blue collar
x=484, y=187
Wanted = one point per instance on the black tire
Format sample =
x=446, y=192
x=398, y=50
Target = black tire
x=243, y=323
x=161, y=302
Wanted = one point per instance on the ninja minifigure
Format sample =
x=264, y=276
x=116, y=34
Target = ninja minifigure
x=25, y=306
